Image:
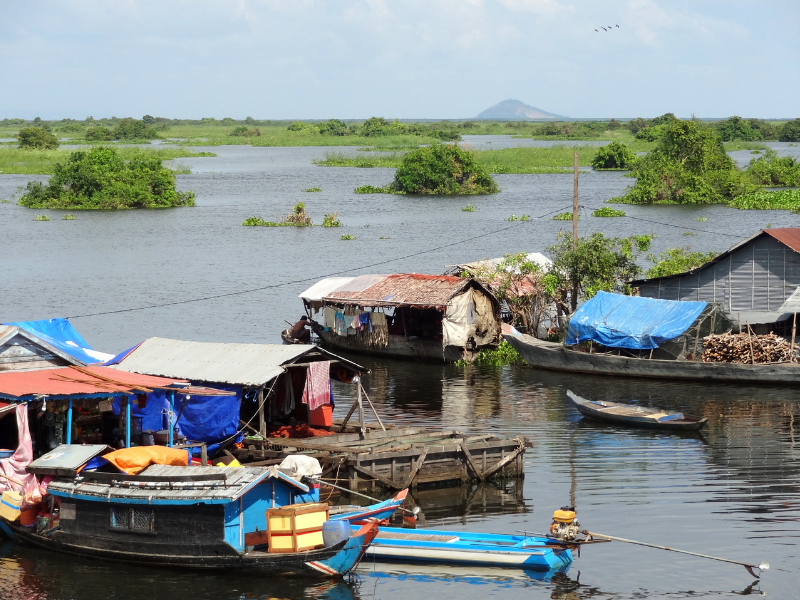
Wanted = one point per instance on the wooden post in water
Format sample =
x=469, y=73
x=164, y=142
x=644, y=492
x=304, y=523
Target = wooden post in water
x=794, y=330
x=575, y=202
x=750, y=339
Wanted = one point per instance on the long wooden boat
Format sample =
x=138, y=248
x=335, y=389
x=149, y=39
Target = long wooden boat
x=190, y=517
x=556, y=357
x=458, y=547
x=635, y=416
x=374, y=513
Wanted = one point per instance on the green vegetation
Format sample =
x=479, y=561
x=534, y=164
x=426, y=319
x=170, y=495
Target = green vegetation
x=125, y=129
x=245, y=131
x=565, y=216
x=340, y=159
x=36, y=138
x=68, y=217
x=42, y=162
x=614, y=156
x=790, y=132
x=677, y=260
x=504, y=354
x=688, y=166
x=607, y=211
x=516, y=218
x=555, y=159
x=259, y=222
x=102, y=179
x=41, y=218
x=771, y=170
x=371, y=189
x=313, y=189
x=737, y=128
x=596, y=263
x=442, y=169
x=468, y=208
x=765, y=200
x=701, y=219
x=296, y=218
x=347, y=236
x=331, y=220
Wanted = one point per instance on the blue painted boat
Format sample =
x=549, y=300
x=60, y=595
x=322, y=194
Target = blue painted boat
x=375, y=513
x=460, y=547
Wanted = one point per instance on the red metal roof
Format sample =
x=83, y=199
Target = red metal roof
x=405, y=289
x=789, y=236
x=87, y=381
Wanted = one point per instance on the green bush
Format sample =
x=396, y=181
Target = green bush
x=765, y=200
x=378, y=126
x=615, y=155
x=790, y=132
x=608, y=212
x=131, y=129
x=99, y=134
x=772, y=170
x=36, y=138
x=737, y=128
x=334, y=127
x=244, y=131
x=651, y=134
x=371, y=189
x=331, y=220
x=100, y=179
x=677, y=260
x=442, y=169
x=688, y=166
x=303, y=128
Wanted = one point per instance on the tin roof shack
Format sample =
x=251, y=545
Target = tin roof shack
x=431, y=317
x=268, y=382
x=756, y=281
x=30, y=345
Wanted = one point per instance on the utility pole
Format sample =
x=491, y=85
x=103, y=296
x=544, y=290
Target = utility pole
x=575, y=203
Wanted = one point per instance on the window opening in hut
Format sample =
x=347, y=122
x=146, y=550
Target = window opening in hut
x=132, y=519
x=9, y=435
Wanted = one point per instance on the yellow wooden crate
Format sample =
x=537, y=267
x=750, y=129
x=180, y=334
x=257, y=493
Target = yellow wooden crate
x=296, y=528
x=9, y=505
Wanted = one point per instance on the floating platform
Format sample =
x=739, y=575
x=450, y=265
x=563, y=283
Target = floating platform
x=398, y=458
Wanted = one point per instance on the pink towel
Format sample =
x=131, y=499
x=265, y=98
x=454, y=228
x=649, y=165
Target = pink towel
x=318, y=384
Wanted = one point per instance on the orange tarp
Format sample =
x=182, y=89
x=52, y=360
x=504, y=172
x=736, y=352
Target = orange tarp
x=298, y=431
x=135, y=460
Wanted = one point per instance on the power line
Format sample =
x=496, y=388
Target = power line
x=684, y=227
x=307, y=279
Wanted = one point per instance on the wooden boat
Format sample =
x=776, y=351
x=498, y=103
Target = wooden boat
x=557, y=357
x=635, y=416
x=394, y=544
x=286, y=338
x=193, y=517
x=376, y=513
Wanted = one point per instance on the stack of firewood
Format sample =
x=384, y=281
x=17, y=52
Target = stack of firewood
x=745, y=349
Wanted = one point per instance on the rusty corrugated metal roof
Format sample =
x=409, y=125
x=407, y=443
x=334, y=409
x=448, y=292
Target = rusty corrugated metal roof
x=789, y=236
x=405, y=289
x=89, y=381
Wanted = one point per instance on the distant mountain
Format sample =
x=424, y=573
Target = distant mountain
x=516, y=110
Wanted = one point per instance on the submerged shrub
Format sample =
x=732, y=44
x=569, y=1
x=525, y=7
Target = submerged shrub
x=565, y=216
x=36, y=138
x=522, y=218
x=347, y=236
x=313, y=189
x=331, y=220
x=442, y=169
x=68, y=217
x=101, y=179
x=41, y=218
x=615, y=155
x=608, y=212
x=371, y=189
x=772, y=170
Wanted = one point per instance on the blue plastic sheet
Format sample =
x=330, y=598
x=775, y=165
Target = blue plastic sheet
x=631, y=322
x=62, y=335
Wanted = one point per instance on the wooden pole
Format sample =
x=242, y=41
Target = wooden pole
x=377, y=416
x=360, y=409
x=575, y=202
x=794, y=330
x=750, y=339
x=262, y=422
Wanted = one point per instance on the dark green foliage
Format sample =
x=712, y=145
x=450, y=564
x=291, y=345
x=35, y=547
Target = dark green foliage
x=677, y=260
x=689, y=166
x=767, y=130
x=504, y=354
x=36, y=138
x=334, y=127
x=664, y=119
x=371, y=189
x=615, y=155
x=378, y=126
x=650, y=134
x=301, y=127
x=149, y=120
x=607, y=211
x=636, y=125
x=765, y=200
x=100, y=179
x=772, y=170
x=131, y=129
x=442, y=169
x=613, y=125
x=597, y=263
x=790, y=132
x=565, y=216
x=737, y=128
x=244, y=131
x=99, y=134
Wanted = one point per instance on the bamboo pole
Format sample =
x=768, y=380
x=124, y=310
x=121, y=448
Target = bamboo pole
x=575, y=201
x=377, y=416
x=794, y=330
x=750, y=339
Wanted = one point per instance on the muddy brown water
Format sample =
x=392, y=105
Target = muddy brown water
x=733, y=490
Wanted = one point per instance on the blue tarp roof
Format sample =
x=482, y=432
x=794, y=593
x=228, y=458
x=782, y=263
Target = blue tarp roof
x=60, y=334
x=631, y=322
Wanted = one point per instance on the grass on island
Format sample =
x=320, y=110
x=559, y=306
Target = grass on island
x=41, y=162
x=607, y=211
x=565, y=216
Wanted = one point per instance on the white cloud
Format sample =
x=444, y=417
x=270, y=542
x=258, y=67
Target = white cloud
x=542, y=7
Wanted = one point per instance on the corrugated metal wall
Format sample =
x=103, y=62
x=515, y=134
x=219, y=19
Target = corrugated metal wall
x=758, y=276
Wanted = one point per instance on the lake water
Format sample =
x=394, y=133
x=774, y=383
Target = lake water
x=733, y=491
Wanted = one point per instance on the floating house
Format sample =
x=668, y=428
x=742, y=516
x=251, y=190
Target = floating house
x=756, y=281
x=30, y=345
x=430, y=317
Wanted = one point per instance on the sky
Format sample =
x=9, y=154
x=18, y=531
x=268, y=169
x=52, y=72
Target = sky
x=351, y=59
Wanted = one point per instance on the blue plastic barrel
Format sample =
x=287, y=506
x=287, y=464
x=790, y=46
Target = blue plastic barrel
x=334, y=532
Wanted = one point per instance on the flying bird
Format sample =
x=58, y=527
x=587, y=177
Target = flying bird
x=603, y=28
x=597, y=31
x=617, y=26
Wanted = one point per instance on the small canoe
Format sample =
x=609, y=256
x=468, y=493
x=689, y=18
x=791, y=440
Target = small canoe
x=287, y=338
x=394, y=544
x=635, y=416
x=376, y=513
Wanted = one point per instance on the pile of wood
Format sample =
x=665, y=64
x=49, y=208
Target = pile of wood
x=746, y=349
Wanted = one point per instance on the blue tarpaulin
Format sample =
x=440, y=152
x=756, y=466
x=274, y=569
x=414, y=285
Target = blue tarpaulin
x=631, y=322
x=60, y=334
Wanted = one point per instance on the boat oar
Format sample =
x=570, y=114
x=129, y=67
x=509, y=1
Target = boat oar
x=761, y=567
x=12, y=480
x=415, y=511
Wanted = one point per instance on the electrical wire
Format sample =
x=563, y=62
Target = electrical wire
x=307, y=279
